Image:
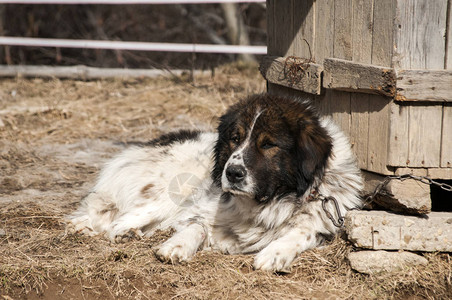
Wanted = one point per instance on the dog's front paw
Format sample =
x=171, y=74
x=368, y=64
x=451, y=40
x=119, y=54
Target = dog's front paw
x=275, y=259
x=127, y=236
x=79, y=228
x=174, y=252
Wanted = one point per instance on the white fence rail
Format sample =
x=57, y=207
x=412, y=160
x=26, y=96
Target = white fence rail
x=123, y=45
x=84, y=72
x=138, y=46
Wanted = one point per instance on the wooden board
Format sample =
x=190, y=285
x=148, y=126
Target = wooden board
x=412, y=171
x=292, y=72
x=424, y=85
x=362, y=31
x=398, y=134
x=322, y=102
x=363, y=15
x=339, y=102
x=342, y=48
x=448, y=62
x=446, y=139
x=283, y=32
x=382, y=33
x=434, y=173
x=424, y=136
x=415, y=21
x=324, y=30
x=359, y=128
x=378, y=134
x=271, y=44
x=280, y=32
x=349, y=76
x=339, y=106
x=304, y=28
x=439, y=173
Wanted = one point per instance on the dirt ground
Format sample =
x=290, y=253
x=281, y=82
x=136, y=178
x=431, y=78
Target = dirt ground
x=54, y=137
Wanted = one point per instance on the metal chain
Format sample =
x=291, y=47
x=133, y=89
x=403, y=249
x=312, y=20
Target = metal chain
x=340, y=219
x=423, y=179
x=378, y=190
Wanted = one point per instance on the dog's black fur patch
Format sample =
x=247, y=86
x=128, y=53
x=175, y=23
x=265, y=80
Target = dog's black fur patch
x=174, y=137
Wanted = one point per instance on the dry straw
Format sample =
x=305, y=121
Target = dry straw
x=54, y=138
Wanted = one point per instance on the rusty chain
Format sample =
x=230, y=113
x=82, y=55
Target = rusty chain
x=378, y=190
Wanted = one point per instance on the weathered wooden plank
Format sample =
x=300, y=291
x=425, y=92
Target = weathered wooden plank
x=405, y=85
x=424, y=135
x=398, y=134
x=343, y=12
x=304, y=28
x=342, y=48
x=412, y=171
x=359, y=102
x=446, y=139
x=322, y=102
x=324, y=30
x=415, y=20
x=359, y=127
x=362, y=31
x=293, y=73
x=434, y=173
x=280, y=25
x=270, y=13
x=339, y=105
x=424, y=85
x=283, y=28
x=349, y=76
x=383, y=31
x=439, y=173
x=448, y=56
x=378, y=134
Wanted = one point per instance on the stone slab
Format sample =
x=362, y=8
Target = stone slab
x=382, y=230
x=372, y=262
x=407, y=196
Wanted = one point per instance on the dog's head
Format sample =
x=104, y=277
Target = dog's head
x=270, y=146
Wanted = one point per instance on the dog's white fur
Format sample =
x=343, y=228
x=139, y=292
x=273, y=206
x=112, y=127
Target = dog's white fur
x=137, y=193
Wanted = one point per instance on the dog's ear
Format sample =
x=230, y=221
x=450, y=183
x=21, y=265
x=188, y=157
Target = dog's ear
x=313, y=149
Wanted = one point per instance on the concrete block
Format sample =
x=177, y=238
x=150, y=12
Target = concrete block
x=372, y=262
x=382, y=230
x=407, y=196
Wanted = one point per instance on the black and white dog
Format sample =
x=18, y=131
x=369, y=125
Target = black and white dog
x=249, y=188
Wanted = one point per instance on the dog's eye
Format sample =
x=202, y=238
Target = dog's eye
x=268, y=145
x=235, y=139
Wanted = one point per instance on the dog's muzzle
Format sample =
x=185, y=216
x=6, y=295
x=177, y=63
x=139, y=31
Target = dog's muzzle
x=235, y=173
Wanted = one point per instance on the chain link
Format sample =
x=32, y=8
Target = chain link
x=379, y=189
x=340, y=219
x=426, y=180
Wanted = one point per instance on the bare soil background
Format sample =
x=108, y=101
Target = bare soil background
x=54, y=137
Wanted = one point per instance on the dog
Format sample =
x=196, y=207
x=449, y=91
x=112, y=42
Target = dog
x=254, y=186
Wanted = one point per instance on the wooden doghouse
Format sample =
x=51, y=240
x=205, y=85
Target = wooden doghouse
x=381, y=68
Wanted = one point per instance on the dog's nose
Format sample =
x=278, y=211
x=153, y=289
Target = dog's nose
x=235, y=173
